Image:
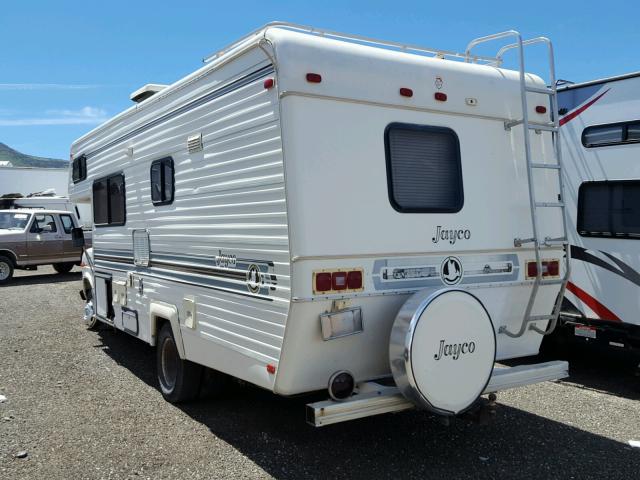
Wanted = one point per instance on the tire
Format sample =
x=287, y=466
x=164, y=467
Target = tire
x=63, y=267
x=6, y=269
x=179, y=380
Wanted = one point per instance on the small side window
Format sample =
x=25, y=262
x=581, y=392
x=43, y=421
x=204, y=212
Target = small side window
x=79, y=169
x=67, y=223
x=611, y=134
x=109, y=201
x=162, y=181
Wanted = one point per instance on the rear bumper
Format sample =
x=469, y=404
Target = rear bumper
x=375, y=399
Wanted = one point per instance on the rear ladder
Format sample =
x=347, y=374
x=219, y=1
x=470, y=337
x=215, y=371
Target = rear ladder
x=553, y=127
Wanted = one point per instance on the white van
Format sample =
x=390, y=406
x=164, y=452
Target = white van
x=317, y=211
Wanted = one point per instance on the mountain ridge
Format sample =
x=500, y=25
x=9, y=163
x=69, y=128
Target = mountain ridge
x=19, y=159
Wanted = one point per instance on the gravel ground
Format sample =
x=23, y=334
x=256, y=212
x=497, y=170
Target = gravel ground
x=83, y=404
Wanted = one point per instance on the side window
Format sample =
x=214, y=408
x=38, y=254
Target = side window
x=609, y=209
x=162, y=181
x=67, y=223
x=611, y=134
x=109, y=201
x=79, y=169
x=424, y=174
x=42, y=222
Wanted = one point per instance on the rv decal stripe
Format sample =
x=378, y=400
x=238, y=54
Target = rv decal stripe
x=239, y=83
x=575, y=113
x=603, y=312
x=623, y=270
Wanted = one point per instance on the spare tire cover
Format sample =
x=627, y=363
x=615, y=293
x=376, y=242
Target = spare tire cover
x=442, y=350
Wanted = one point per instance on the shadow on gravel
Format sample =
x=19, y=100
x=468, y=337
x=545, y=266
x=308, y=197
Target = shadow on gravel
x=38, y=279
x=596, y=369
x=271, y=431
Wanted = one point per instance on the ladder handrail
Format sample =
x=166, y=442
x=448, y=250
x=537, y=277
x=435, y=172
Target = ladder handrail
x=489, y=38
x=406, y=47
x=528, y=318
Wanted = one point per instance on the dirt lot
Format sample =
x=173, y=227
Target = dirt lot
x=83, y=404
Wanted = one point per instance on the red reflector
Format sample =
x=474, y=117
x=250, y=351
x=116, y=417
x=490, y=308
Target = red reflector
x=354, y=280
x=553, y=268
x=441, y=97
x=314, y=77
x=541, y=109
x=406, y=92
x=339, y=280
x=532, y=269
x=323, y=282
x=271, y=368
x=269, y=83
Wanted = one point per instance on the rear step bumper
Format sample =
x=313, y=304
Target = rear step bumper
x=376, y=399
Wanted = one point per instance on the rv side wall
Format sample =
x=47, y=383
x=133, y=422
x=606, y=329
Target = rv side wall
x=220, y=248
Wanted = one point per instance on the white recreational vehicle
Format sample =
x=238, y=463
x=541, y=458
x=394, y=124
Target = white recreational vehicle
x=600, y=136
x=313, y=211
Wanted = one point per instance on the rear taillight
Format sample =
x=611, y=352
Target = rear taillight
x=550, y=268
x=338, y=281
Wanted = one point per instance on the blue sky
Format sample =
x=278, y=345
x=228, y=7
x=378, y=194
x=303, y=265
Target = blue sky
x=65, y=66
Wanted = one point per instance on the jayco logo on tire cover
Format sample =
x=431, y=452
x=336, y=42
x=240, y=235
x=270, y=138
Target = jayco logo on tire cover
x=454, y=350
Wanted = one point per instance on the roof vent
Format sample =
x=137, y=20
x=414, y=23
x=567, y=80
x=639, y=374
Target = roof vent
x=147, y=91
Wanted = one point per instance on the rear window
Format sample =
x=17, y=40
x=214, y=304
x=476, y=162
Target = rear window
x=424, y=174
x=609, y=209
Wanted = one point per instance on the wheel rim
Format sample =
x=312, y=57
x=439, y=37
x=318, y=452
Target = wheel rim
x=169, y=363
x=4, y=271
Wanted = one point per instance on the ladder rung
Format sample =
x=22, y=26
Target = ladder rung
x=535, y=318
x=547, y=127
x=550, y=204
x=548, y=91
x=553, y=166
x=555, y=241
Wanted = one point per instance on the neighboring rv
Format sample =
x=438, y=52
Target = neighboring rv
x=316, y=211
x=600, y=134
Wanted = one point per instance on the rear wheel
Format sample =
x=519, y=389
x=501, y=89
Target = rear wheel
x=63, y=267
x=179, y=379
x=6, y=269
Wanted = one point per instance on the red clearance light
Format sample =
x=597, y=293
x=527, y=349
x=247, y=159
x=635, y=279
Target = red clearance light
x=441, y=97
x=323, y=282
x=339, y=280
x=550, y=268
x=406, y=92
x=314, y=77
x=271, y=368
x=354, y=280
x=553, y=268
x=541, y=109
x=269, y=83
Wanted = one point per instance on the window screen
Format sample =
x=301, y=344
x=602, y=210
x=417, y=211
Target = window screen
x=423, y=169
x=79, y=169
x=609, y=209
x=162, y=181
x=611, y=134
x=109, y=201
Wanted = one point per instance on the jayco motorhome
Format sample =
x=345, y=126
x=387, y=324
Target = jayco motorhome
x=600, y=134
x=317, y=211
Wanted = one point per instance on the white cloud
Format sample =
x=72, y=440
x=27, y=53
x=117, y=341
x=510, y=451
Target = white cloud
x=84, y=116
x=46, y=86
